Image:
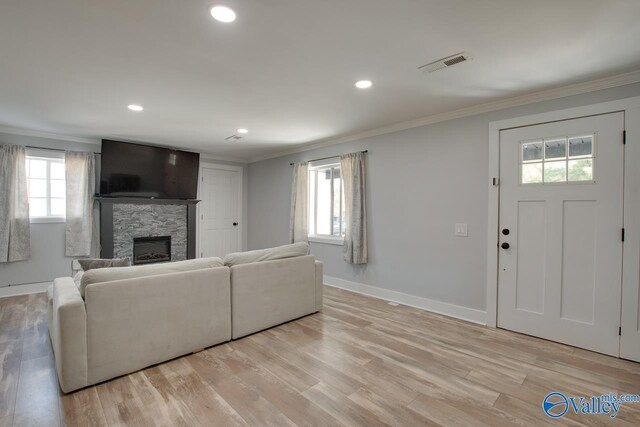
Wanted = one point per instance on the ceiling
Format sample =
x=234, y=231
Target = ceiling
x=285, y=69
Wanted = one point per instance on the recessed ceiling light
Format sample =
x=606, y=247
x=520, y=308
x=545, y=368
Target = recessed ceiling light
x=134, y=107
x=364, y=84
x=223, y=14
x=242, y=130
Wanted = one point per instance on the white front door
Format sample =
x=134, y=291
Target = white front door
x=219, y=212
x=561, y=219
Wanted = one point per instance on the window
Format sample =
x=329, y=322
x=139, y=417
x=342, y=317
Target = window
x=558, y=160
x=326, y=203
x=46, y=188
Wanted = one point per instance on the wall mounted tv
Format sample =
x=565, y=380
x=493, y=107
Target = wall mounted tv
x=135, y=170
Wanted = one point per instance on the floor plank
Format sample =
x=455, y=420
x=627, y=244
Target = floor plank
x=360, y=362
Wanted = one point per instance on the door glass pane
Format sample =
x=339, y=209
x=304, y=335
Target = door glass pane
x=57, y=170
x=555, y=148
x=323, y=203
x=37, y=207
x=58, y=188
x=581, y=146
x=532, y=151
x=555, y=171
x=58, y=207
x=531, y=173
x=37, y=188
x=581, y=170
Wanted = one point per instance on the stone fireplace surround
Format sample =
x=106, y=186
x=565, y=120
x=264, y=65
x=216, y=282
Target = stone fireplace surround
x=124, y=218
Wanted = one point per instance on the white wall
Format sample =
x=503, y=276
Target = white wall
x=421, y=182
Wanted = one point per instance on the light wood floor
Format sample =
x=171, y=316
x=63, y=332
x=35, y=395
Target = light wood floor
x=359, y=362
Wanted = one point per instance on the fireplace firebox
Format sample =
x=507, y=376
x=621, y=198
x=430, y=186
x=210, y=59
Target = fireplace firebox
x=148, y=250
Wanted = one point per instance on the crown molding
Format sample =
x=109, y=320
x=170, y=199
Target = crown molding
x=206, y=157
x=49, y=135
x=502, y=104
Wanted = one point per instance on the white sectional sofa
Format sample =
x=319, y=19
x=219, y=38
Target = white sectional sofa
x=122, y=319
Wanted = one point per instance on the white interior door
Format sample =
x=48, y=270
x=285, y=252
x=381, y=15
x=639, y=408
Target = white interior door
x=219, y=211
x=561, y=219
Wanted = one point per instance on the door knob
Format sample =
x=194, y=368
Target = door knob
x=505, y=231
x=235, y=224
x=505, y=245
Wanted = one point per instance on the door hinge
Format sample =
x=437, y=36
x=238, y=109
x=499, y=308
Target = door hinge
x=201, y=254
x=623, y=234
x=495, y=181
x=624, y=136
x=620, y=331
x=201, y=217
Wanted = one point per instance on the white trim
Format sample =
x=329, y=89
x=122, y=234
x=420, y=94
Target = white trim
x=338, y=241
x=494, y=171
x=447, y=309
x=516, y=101
x=47, y=219
x=26, y=289
x=49, y=135
x=212, y=158
x=240, y=170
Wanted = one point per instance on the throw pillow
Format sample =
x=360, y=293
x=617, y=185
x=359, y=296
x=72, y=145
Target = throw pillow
x=92, y=263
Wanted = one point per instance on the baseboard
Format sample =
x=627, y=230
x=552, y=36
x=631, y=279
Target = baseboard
x=452, y=310
x=31, y=288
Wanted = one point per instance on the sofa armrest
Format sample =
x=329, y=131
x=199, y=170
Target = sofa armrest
x=319, y=285
x=69, y=334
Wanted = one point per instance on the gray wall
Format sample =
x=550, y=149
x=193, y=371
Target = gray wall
x=421, y=182
x=47, y=240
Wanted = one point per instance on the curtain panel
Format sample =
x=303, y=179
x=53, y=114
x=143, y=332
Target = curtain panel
x=80, y=178
x=354, y=249
x=298, y=224
x=15, y=236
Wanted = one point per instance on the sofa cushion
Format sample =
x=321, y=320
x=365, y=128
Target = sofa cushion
x=93, y=263
x=101, y=275
x=270, y=254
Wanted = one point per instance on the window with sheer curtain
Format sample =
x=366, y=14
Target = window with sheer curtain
x=326, y=202
x=46, y=188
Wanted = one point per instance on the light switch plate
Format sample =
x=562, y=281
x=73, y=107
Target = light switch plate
x=461, y=230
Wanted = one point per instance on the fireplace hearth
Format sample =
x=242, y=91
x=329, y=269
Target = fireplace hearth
x=148, y=250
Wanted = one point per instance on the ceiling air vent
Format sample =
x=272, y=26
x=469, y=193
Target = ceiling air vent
x=233, y=138
x=449, y=61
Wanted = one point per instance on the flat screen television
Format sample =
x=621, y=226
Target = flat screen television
x=136, y=170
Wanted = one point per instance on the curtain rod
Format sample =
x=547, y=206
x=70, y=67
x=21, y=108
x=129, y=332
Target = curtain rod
x=50, y=149
x=325, y=158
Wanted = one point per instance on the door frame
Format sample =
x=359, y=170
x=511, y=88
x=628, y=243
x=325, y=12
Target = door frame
x=631, y=247
x=240, y=170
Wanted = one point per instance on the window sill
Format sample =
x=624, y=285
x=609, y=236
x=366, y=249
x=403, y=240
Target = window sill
x=47, y=220
x=338, y=241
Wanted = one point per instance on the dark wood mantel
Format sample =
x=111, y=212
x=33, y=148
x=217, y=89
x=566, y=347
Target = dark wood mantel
x=145, y=200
